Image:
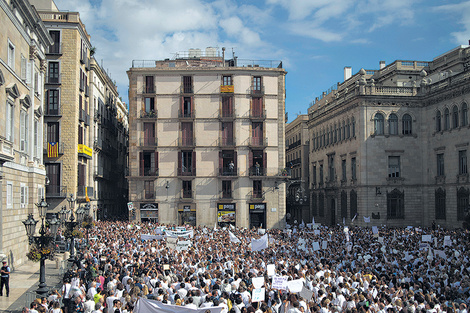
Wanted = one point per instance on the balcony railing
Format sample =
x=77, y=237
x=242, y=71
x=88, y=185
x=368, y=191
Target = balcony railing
x=258, y=141
x=256, y=195
x=149, y=89
x=148, y=114
x=56, y=79
x=83, y=191
x=257, y=91
x=257, y=171
x=224, y=141
x=61, y=147
x=149, y=194
x=227, y=171
x=56, y=48
x=82, y=115
x=148, y=142
x=187, y=194
x=187, y=141
x=226, y=194
x=186, y=113
x=98, y=144
x=6, y=149
x=257, y=114
x=148, y=171
x=52, y=111
x=56, y=191
x=187, y=89
x=186, y=171
x=99, y=171
x=226, y=114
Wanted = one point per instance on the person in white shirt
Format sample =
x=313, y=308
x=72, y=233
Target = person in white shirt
x=190, y=304
x=110, y=299
x=89, y=304
x=92, y=291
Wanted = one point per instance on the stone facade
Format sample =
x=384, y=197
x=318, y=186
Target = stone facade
x=24, y=41
x=189, y=118
x=391, y=145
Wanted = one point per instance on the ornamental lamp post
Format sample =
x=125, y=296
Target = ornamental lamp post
x=63, y=214
x=43, y=245
x=70, y=225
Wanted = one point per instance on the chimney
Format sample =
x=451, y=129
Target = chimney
x=382, y=64
x=347, y=72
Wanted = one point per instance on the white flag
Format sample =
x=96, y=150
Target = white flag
x=366, y=219
x=353, y=218
x=259, y=244
x=233, y=238
x=313, y=221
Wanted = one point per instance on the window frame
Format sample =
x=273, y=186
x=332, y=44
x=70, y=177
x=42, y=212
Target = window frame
x=379, y=121
x=393, y=124
x=11, y=55
x=394, y=170
x=440, y=163
x=407, y=125
x=463, y=168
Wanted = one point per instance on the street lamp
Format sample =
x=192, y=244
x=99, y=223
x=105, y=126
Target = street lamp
x=70, y=224
x=43, y=244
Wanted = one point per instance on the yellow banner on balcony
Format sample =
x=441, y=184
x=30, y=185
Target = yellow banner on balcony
x=87, y=199
x=85, y=150
x=226, y=88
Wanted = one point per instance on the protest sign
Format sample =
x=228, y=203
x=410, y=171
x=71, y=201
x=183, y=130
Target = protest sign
x=375, y=230
x=295, y=285
x=183, y=245
x=316, y=232
x=306, y=293
x=258, y=295
x=271, y=268
x=426, y=238
x=258, y=282
x=316, y=246
x=447, y=241
x=324, y=245
x=279, y=282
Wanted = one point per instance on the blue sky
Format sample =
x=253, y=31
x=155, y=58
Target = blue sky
x=315, y=39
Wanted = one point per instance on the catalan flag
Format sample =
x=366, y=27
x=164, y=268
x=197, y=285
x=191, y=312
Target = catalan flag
x=52, y=149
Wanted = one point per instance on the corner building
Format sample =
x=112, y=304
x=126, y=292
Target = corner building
x=206, y=141
x=390, y=146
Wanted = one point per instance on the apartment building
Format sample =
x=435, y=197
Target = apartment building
x=110, y=137
x=206, y=140
x=24, y=42
x=297, y=169
x=389, y=146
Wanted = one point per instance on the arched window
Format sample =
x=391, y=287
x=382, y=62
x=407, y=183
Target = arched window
x=438, y=121
x=353, y=123
x=393, y=124
x=464, y=115
x=379, y=124
x=395, y=204
x=455, y=117
x=446, y=119
x=440, y=204
x=462, y=203
x=407, y=121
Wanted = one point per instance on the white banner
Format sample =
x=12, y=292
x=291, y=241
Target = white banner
x=183, y=245
x=306, y=294
x=426, y=238
x=152, y=306
x=233, y=238
x=151, y=237
x=259, y=244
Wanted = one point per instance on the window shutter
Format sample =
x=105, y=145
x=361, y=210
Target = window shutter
x=193, y=170
x=265, y=159
x=152, y=163
x=235, y=159
x=156, y=162
x=250, y=159
x=141, y=158
x=24, y=65
x=180, y=162
x=22, y=130
x=221, y=162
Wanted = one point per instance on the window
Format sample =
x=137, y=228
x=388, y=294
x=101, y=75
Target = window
x=149, y=190
x=395, y=204
x=440, y=204
x=52, y=104
x=462, y=203
x=55, y=48
x=149, y=134
x=257, y=189
x=446, y=119
x=148, y=163
x=10, y=113
x=227, y=107
x=11, y=55
x=353, y=126
x=187, y=189
x=53, y=73
x=393, y=124
x=257, y=107
x=393, y=166
x=378, y=124
x=339, y=131
x=257, y=83
x=9, y=195
x=23, y=195
x=314, y=204
x=321, y=174
x=24, y=68
x=53, y=173
x=226, y=189
x=406, y=124
x=227, y=133
x=455, y=117
x=227, y=81
x=149, y=85
x=331, y=168
x=321, y=205
x=314, y=175
x=464, y=116
x=462, y=162
x=187, y=109
x=438, y=121
x=343, y=170
x=187, y=137
x=36, y=138
x=23, y=130
x=353, y=203
x=344, y=204
x=353, y=168
x=149, y=105
x=440, y=164
x=187, y=163
x=187, y=84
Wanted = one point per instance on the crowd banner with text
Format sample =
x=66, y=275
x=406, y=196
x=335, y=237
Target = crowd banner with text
x=151, y=306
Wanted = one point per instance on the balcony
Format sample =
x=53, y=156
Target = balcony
x=226, y=89
x=256, y=171
x=257, y=114
x=149, y=194
x=187, y=194
x=183, y=171
x=150, y=89
x=186, y=114
x=82, y=85
x=6, y=150
x=148, y=142
x=84, y=117
x=83, y=191
x=187, y=89
x=98, y=172
x=226, y=142
x=83, y=57
x=60, y=147
x=226, y=114
x=258, y=142
x=97, y=117
x=227, y=171
x=257, y=91
x=54, y=80
x=87, y=64
x=148, y=114
x=186, y=142
x=98, y=144
x=87, y=91
x=56, y=191
x=256, y=195
x=52, y=110
x=148, y=171
x=226, y=195
x=55, y=49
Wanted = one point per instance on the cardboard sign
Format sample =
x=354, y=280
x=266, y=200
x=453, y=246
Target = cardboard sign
x=280, y=282
x=306, y=294
x=258, y=295
x=295, y=286
x=324, y=245
x=375, y=230
x=271, y=269
x=258, y=282
x=426, y=238
x=316, y=246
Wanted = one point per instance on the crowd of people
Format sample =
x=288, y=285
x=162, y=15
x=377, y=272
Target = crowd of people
x=342, y=269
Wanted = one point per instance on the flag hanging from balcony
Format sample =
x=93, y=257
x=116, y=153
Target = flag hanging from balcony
x=86, y=195
x=52, y=149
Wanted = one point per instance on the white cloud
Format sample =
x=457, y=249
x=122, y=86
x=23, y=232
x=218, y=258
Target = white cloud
x=460, y=11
